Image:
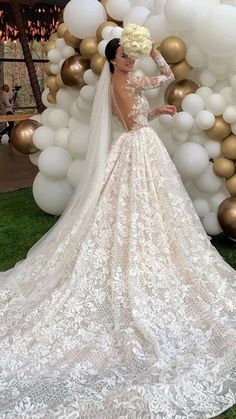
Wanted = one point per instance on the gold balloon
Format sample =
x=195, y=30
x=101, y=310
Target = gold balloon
x=220, y=129
x=223, y=167
x=47, y=68
x=51, y=98
x=51, y=83
x=71, y=39
x=230, y=185
x=173, y=49
x=59, y=81
x=101, y=27
x=227, y=216
x=228, y=147
x=73, y=69
x=61, y=30
x=22, y=134
x=181, y=70
x=49, y=45
x=97, y=62
x=177, y=90
x=88, y=47
x=53, y=36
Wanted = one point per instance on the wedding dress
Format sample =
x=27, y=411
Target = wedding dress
x=125, y=309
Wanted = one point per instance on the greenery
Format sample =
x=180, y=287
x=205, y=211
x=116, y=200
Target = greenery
x=22, y=224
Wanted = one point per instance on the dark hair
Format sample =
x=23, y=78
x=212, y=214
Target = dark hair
x=110, y=51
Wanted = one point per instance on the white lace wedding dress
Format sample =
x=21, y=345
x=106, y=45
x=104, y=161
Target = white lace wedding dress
x=136, y=318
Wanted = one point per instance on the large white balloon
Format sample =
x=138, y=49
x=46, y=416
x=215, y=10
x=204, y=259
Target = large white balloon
x=183, y=121
x=118, y=9
x=204, y=120
x=54, y=162
x=43, y=137
x=54, y=55
x=208, y=181
x=136, y=15
x=51, y=195
x=216, y=200
x=90, y=77
x=61, y=137
x=82, y=17
x=216, y=104
x=65, y=97
x=58, y=118
x=34, y=158
x=78, y=141
x=195, y=56
x=75, y=172
x=201, y=206
x=211, y=224
x=88, y=93
x=229, y=114
x=193, y=103
x=213, y=148
x=191, y=159
x=158, y=27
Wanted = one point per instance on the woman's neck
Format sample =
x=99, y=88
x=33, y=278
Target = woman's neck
x=120, y=76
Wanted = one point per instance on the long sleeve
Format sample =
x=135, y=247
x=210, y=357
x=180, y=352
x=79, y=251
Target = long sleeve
x=147, y=83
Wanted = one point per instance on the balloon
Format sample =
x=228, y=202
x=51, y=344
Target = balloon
x=194, y=56
x=61, y=137
x=191, y=159
x=207, y=78
x=65, y=98
x=136, y=15
x=82, y=17
x=52, y=83
x=88, y=93
x=173, y=49
x=101, y=27
x=201, y=206
x=205, y=120
x=216, y=200
x=61, y=30
x=216, y=103
x=44, y=98
x=34, y=158
x=88, y=47
x=60, y=43
x=223, y=167
x=118, y=9
x=54, y=55
x=102, y=47
x=49, y=45
x=230, y=185
x=51, y=195
x=22, y=136
x=67, y=51
x=229, y=114
x=78, y=141
x=181, y=70
x=208, y=181
x=183, y=121
x=158, y=27
x=220, y=130
x=54, y=162
x=177, y=90
x=193, y=103
x=71, y=40
x=204, y=92
x=75, y=172
x=73, y=69
x=213, y=148
x=211, y=224
x=43, y=137
x=228, y=147
x=51, y=98
x=90, y=77
x=227, y=216
x=97, y=62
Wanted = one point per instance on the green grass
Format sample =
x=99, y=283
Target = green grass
x=22, y=224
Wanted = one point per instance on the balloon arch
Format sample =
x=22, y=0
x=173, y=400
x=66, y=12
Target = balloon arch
x=198, y=40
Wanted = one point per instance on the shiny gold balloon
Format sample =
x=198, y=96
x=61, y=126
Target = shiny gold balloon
x=181, y=70
x=177, y=90
x=53, y=36
x=47, y=69
x=228, y=147
x=61, y=30
x=71, y=39
x=223, y=167
x=49, y=45
x=101, y=27
x=173, y=49
x=88, y=47
x=22, y=134
x=230, y=185
x=73, y=69
x=227, y=216
x=59, y=81
x=51, y=83
x=220, y=129
x=97, y=62
x=51, y=98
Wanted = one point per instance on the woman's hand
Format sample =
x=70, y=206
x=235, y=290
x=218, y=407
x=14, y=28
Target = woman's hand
x=154, y=51
x=167, y=110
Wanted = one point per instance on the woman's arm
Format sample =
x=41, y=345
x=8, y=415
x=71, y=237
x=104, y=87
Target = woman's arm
x=161, y=110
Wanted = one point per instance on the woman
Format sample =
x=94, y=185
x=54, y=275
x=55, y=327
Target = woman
x=124, y=310
x=6, y=106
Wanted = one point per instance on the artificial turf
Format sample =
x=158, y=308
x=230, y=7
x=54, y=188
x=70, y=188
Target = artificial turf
x=22, y=224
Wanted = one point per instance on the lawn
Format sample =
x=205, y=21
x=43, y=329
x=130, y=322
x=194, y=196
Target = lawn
x=22, y=224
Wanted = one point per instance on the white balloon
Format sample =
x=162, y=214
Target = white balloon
x=36, y=117
x=219, y=85
x=229, y=114
x=67, y=51
x=148, y=66
x=44, y=115
x=83, y=105
x=218, y=66
x=58, y=118
x=195, y=56
x=216, y=200
x=118, y=9
x=191, y=159
x=166, y=120
x=180, y=136
x=102, y=46
x=193, y=104
x=145, y=3
x=204, y=92
x=44, y=98
x=82, y=17
x=78, y=141
x=90, y=77
x=204, y=120
x=216, y=104
x=211, y=224
x=54, y=162
x=61, y=137
x=200, y=138
x=233, y=128
x=158, y=27
x=233, y=82
x=73, y=123
x=55, y=69
x=201, y=206
x=106, y=33
x=213, y=148
x=75, y=113
x=43, y=137
x=51, y=195
x=75, y=172
x=65, y=97
x=159, y=6
x=34, y=158
x=183, y=121
x=116, y=32
x=136, y=15
x=207, y=78
x=87, y=93
x=60, y=43
x=208, y=181
x=54, y=55
x=229, y=95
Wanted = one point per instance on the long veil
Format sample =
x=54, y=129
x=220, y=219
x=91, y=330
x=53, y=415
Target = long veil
x=86, y=195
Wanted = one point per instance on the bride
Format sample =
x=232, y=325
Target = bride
x=124, y=309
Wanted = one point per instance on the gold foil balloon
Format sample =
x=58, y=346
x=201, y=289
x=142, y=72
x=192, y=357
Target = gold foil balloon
x=59, y=81
x=73, y=69
x=52, y=83
x=220, y=129
x=228, y=147
x=227, y=216
x=97, y=62
x=49, y=45
x=22, y=134
x=51, y=98
x=71, y=39
x=53, y=36
x=61, y=30
x=173, y=49
x=47, y=69
x=181, y=70
x=177, y=90
x=230, y=185
x=223, y=167
x=88, y=47
x=101, y=27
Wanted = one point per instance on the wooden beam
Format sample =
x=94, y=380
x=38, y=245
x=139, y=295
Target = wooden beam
x=16, y=117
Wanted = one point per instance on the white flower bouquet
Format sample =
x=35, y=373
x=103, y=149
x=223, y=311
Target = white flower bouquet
x=136, y=41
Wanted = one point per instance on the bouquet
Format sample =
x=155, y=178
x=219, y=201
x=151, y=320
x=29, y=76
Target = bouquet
x=136, y=41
